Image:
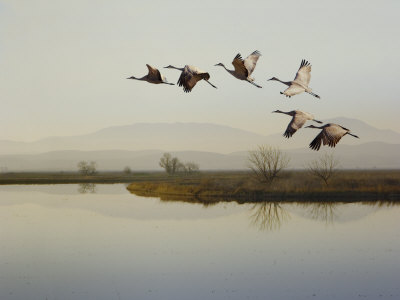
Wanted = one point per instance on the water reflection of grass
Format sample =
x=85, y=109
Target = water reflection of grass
x=293, y=186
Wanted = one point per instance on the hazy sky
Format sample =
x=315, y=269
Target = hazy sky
x=64, y=64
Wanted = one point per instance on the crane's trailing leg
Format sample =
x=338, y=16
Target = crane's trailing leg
x=315, y=95
x=353, y=135
x=210, y=84
x=255, y=84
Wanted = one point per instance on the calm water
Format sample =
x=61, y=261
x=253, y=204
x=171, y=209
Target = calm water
x=101, y=242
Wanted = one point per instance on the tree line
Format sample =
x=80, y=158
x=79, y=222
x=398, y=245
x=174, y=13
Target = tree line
x=265, y=162
x=172, y=165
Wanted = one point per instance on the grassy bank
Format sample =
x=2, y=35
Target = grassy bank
x=293, y=185
x=234, y=185
x=74, y=177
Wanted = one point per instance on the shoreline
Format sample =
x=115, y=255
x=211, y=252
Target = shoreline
x=209, y=186
x=261, y=196
x=292, y=186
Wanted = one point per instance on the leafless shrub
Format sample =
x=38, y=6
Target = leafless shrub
x=266, y=162
x=324, y=167
x=87, y=168
x=173, y=165
x=190, y=167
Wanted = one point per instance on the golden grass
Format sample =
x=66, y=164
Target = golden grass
x=291, y=185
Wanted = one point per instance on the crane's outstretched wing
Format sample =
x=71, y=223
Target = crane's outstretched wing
x=154, y=73
x=295, y=124
x=240, y=68
x=187, y=80
x=330, y=136
x=334, y=133
x=251, y=61
x=303, y=75
x=293, y=89
x=316, y=143
x=190, y=76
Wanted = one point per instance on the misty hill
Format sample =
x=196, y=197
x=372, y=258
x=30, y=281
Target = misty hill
x=190, y=136
x=142, y=136
x=364, y=156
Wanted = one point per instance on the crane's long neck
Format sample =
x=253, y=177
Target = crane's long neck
x=232, y=72
x=144, y=78
x=172, y=67
x=229, y=71
x=283, y=112
x=288, y=83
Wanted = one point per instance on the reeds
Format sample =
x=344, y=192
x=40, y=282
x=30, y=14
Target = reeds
x=291, y=185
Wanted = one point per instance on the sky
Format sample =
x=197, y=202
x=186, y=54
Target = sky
x=64, y=64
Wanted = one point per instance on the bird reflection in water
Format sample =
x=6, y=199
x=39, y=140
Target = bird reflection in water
x=87, y=188
x=268, y=216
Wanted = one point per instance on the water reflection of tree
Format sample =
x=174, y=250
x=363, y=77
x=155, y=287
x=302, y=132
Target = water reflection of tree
x=382, y=203
x=86, y=188
x=322, y=211
x=268, y=215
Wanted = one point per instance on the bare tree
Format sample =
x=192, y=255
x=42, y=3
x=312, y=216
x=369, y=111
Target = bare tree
x=173, y=165
x=92, y=168
x=266, y=162
x=176, y=165
x=165, y=162
x=87, y=168
x=324, y=167
x=127, y=170
x=191, y=167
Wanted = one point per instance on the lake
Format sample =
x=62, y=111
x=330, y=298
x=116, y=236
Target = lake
x=101, y=242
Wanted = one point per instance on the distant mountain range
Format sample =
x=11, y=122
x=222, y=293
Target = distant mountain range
x=116, y=147
x=190, y=136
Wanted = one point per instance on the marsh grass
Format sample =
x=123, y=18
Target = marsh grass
x=291, y=185
x=75, y=177
x=235, y=185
